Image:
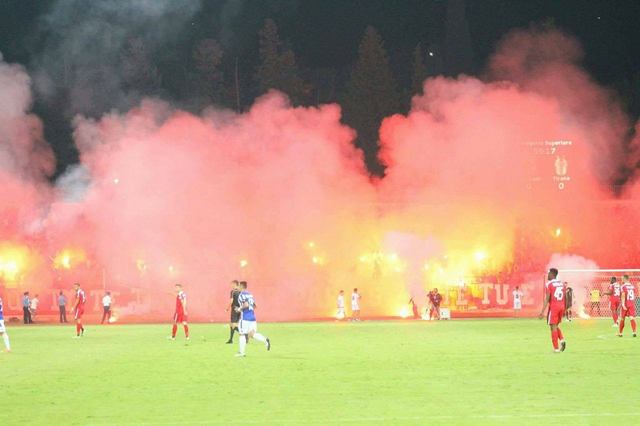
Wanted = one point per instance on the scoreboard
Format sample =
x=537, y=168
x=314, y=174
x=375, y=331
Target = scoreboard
x=549, y=164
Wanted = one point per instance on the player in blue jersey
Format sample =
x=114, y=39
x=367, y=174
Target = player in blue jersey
x=248, y=326
x=3, y=331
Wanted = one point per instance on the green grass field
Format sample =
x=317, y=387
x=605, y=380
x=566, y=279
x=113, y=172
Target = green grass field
x=457, y=372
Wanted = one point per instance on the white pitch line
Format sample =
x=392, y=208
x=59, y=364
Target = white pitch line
x=383, y=419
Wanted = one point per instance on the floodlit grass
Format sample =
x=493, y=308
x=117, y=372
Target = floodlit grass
x=457, y=372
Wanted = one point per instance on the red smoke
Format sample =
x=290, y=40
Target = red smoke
x=195, y=198
x=485, y=177
x=25, y=162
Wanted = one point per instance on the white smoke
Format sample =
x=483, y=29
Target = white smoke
x=23, y=151
x=579, y=273
x=101, y=52
x=74, y=183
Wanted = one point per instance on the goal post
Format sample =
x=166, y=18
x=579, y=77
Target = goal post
x=589, y=286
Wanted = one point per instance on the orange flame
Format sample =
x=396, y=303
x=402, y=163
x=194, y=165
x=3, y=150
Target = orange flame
x=68, y=258
x=14, y=259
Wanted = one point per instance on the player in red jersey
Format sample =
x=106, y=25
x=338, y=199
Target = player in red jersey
x=614, y=299
x=628, y=305
x=554, y=298
x=435, y=299
x=180, y=316
x=78, y=309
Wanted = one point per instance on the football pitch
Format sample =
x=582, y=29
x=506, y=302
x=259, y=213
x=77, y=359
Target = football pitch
x=393, y=372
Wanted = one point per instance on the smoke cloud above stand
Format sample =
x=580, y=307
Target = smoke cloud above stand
x=485, y=179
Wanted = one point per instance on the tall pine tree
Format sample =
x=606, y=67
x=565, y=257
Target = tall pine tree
x=139, y=71
x=371, y=95
x=419, y=71
x=458, y=53
x=209, y=81
x=278, y=69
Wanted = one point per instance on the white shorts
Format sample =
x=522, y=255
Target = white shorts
x=2, y=329
x=245, y=327
x=340, y=312
x=355, y=307
x=517, y=304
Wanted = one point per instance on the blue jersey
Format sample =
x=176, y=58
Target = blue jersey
x=1, y=311
x=248, y=313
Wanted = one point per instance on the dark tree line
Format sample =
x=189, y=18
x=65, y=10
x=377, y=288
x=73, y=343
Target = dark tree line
x=368, y=92
x=228, y=55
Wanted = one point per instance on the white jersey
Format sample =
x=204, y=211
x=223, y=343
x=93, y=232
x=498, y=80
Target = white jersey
x=2, y=330
x=517, y=299
x=34, y=303
x=340, y=302
x=355, y=301
x=106, y=301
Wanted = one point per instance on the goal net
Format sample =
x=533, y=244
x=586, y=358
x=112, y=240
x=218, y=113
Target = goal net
x=589, y=288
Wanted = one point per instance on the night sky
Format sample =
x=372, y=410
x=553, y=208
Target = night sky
x=326, y=33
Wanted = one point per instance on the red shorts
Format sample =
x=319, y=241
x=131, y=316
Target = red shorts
x=179, y=317
x=630, y=311
x=79, y=313
x=554, y=316
x=614, y=305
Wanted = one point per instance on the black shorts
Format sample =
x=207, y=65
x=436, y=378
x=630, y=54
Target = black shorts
x=235, y=317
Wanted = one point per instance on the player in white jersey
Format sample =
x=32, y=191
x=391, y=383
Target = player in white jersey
x=355, y=305
x=340, y=314
x=517, y=300
x=3, y=331
x=248, y=326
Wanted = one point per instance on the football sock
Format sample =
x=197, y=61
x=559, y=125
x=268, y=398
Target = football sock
x=243, y=344
x=186, y=330
x=560, y=336
x=615, y=317
x=554, y=338
x=260, y=338
x=174, y=330
x=621, y=326
x=232, y=330
x=633, y=325
x=78, y=326
x=5, y=336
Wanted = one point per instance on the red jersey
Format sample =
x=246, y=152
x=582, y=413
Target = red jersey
x=628, y=291
x=179, y=298
x=614, y=289
x=556, y=290
x=435, y=298
x=80, y=299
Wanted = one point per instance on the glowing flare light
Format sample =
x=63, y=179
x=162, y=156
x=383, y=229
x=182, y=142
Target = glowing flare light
x=68, y=258
x=480, y=256
x=404, y=313
x=13, y=261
